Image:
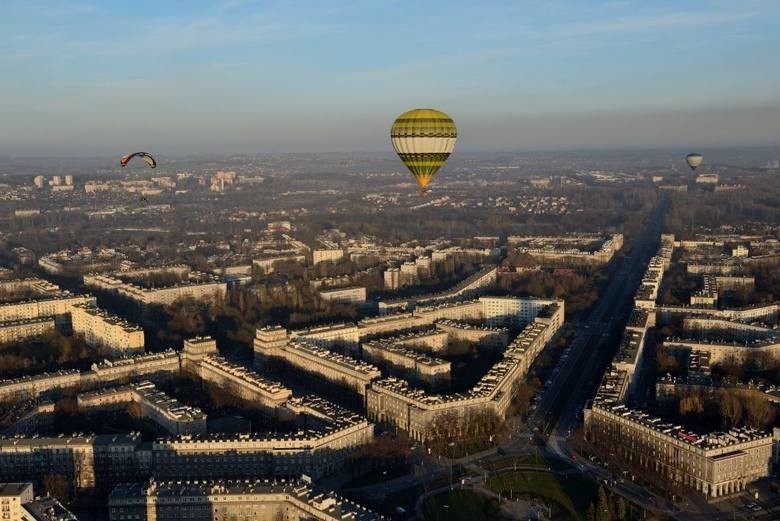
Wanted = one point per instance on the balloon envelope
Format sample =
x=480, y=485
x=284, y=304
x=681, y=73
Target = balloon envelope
x=423, y=139
x=694, y=160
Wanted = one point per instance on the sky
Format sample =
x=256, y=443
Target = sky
x=242, y=76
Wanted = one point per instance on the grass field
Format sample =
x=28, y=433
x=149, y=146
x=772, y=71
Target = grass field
x=537, y=459
x=461, y=505
x=568, y=497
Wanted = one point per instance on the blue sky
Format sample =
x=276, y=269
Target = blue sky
x=266, y=76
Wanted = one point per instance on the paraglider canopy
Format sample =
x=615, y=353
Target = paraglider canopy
x=143, y=155
x=423, y=139
x=694, y=160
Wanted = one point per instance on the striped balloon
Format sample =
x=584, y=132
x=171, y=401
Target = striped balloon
x=423, y=139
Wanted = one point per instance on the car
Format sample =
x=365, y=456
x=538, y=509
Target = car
x=755, y=508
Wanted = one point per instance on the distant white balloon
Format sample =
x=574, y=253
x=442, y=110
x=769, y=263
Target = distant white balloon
x=694, y=160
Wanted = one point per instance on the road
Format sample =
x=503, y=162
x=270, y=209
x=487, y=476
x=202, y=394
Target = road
x=593, y=352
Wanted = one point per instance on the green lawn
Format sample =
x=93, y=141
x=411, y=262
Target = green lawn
x=537, y=459
x=568, y=497
x=461, y=505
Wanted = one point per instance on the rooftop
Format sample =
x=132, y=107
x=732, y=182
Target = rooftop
x=713, y=440
x=327, y=502
x=13, y=489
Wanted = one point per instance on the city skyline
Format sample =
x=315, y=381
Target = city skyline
x=246, y=77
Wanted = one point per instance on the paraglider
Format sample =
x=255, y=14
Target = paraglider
x=423, y=139
x=143, y=155
x=694, y=160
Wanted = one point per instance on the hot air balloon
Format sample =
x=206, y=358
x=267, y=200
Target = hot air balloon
x=423, y=139
x=694, y=160
x=143, y=155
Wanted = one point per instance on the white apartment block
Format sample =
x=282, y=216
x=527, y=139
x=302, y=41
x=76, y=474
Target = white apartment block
x=169, y=413
x=243, y=382
x=267, y=263
x=416, y=365
x=16, y=330
x=554, y=247
x=258, y=500
x=757, y=351
x=484, y=336
x=330, y=335
x=327, y=255
x=350, y=295
x=389, y=323
x=44, y=300
x=421, y=415
x=340, y=369
x=12, y=498
x=102, y=329
x=391, y=279
x=499, y=311
x=714, y=465
x=196, y=285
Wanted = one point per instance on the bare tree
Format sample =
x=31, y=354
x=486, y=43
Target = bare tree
x=759, y=412
x=56, y=485
x=135, y=411
x=691, y=403
x=730, y=409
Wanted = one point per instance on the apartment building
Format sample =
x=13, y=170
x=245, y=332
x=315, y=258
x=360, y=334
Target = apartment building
x=223, y=500
x=165, y=411
x=349, y=295
x=104, y=330
x=413, y=364
x=327, y=255
x=423, y=415
x=191, y=284
x=483, y=336
x=243, y=382
x=16, y=330
x=715, y=464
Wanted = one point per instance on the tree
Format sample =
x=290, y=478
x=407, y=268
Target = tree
x=57, y=485
x=620, y=509
x=759, y=412
x=730, y=409
x=603, y=512
x=67, y=405
x=665, y=361
x=135, y=411
x=731, y=367
x=591, y=515
x=524, y=392
x=691, y=404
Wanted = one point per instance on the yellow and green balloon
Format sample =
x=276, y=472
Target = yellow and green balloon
x=423, y=139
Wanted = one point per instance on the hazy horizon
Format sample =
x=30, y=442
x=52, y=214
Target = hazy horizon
x=245, y=77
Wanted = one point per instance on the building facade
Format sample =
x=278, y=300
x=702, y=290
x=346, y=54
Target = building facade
x=104, y=330
x=225, y=500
